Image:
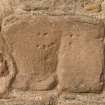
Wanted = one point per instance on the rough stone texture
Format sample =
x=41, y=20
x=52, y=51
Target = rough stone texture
x=56, y=50
x=30, y=98
x=34, y=43
x=50, y=98
x=7, y=68
x=82, y=99
x=64, y=53
x=80, y=57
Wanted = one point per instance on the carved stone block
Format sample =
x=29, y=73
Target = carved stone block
x=56, y=51
x=81, y=57
x=34, y=44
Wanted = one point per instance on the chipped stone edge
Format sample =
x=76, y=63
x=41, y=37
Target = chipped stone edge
x=7, y=22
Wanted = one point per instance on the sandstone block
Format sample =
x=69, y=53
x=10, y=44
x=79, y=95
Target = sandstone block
x=81, y=57
x=67, y=51
x=34, y=42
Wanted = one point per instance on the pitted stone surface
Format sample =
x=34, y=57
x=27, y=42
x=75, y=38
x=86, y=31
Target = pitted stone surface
x=44, y=48
x=62, y=51
x=34, y=43
x=81, y=57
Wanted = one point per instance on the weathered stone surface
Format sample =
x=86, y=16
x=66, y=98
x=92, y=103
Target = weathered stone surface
x=70, y=63
x=34, y=43
x=92, y=8
x=7, y=68
x=49, y=47
x=30, y=98
x=81, y=57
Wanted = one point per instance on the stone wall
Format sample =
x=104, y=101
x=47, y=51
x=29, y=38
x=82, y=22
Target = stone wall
x=51, y=48
x=93, y=8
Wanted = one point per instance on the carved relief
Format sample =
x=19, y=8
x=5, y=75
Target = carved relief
x=53, y=51
x=34, y=49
